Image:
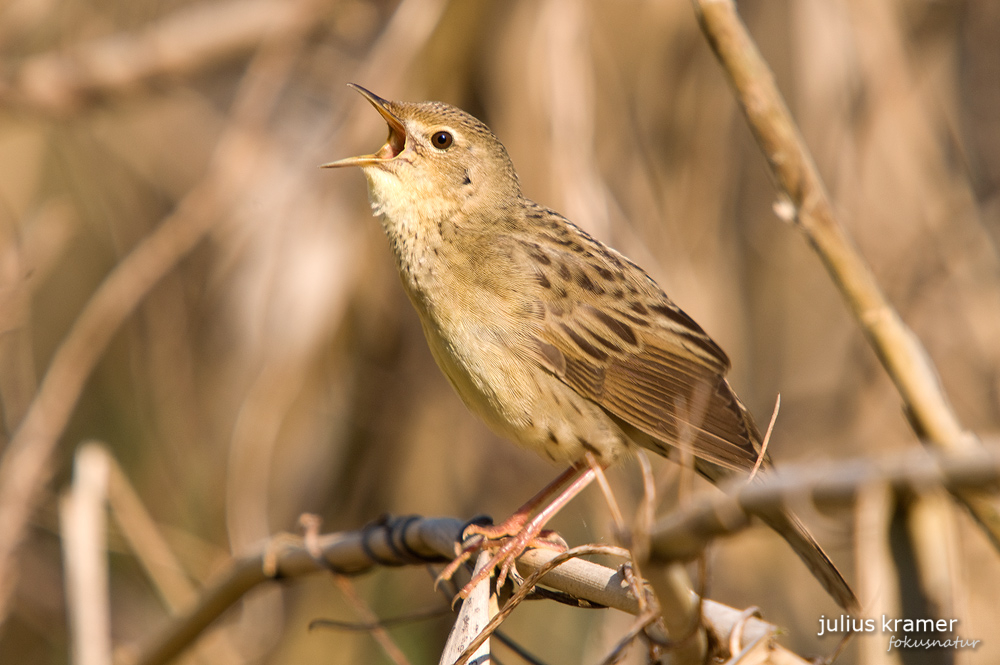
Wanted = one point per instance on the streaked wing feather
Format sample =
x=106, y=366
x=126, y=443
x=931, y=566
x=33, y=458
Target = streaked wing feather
x=680, y=408
x=660, y=374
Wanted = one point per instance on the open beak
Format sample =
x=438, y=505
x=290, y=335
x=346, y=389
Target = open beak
x=393, y=145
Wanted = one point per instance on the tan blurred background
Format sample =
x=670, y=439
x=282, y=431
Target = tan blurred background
x=279, y=367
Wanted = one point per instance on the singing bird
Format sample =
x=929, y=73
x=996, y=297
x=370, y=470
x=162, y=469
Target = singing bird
x=558, y=342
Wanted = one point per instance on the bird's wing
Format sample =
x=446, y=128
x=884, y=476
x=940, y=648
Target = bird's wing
x=613, y=336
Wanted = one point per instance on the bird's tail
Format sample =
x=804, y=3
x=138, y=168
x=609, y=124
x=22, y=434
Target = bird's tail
x=823, y=569
x=743, y=449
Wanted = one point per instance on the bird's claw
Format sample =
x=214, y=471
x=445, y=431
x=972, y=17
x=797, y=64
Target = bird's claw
x=508, y=548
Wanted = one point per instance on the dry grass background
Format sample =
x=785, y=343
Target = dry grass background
x=279, y=368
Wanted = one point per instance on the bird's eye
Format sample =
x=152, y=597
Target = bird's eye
x=442, y=140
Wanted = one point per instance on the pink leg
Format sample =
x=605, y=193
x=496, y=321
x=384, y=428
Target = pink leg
x=509, y=527
x=514, y=524
x=523, y=538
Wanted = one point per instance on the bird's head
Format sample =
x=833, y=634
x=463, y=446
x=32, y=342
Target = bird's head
x=438, y=161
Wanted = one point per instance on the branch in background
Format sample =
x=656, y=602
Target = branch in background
x=27, y=462
x=194, y=38
x=899, y=350
x=683, y=535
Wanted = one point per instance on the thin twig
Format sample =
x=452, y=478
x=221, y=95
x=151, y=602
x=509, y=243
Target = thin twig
x=762, y=455
x=639, y=536
x=521, y=652
x=391, y=622
x=378, y=631
x=641, y=623
x=609, y=495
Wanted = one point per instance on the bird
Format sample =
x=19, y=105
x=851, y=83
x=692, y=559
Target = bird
x=556, y=341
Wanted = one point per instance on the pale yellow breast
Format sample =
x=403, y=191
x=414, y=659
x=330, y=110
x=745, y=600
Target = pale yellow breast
x=474, y=326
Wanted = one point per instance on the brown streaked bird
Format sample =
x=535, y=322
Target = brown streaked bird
x=558, y=342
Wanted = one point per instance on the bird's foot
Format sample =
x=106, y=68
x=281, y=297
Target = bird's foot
x=509, y=540
x=518, y=533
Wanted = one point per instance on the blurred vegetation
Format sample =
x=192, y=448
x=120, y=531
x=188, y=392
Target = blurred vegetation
x=279, y=368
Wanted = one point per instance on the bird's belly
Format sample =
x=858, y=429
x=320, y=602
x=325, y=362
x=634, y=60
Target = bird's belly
x=476, y=369
x=524, y=403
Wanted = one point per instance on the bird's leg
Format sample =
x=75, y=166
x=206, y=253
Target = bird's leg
x=514, y=524
x=509, y=527
x=528, y=533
